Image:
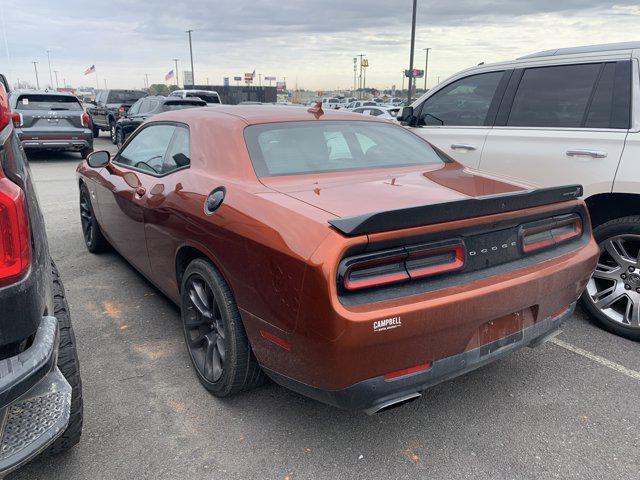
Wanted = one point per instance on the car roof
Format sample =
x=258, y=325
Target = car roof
x=256, y=114
x=29, y=91
x=602, y=47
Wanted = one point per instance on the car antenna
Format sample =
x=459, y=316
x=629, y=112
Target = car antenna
x=316, y=110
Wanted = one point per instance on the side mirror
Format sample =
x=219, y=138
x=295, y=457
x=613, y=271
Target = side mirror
x=406, y=116
x=99, y=159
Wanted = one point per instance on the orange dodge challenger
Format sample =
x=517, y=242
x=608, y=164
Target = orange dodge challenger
x=342, y=256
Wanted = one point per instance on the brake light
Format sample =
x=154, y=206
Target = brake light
x=551, y=232
x=16, y=117
x=85, y=119
x=5, y=112
x=15, y=244
x=401, y=264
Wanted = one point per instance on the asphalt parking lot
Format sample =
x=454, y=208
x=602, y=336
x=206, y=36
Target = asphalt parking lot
x=568, y=409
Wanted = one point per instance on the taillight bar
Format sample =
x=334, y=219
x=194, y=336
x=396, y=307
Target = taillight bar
x=16, y=118
x=84, y=119
x=15, y=241
x=550, y=232
x=401, y=264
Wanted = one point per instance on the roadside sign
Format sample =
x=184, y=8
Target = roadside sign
x=415, y=73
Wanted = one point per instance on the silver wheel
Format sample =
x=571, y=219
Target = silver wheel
x=614, y=288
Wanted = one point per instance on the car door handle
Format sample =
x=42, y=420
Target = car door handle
x=140, y=191
x=462, y=146
x=586, y=153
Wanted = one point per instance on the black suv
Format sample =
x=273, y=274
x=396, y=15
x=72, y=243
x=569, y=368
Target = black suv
x=148, y=107
x=40, y=388
x=109, y=106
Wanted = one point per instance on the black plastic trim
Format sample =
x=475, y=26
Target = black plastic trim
x=449, y=211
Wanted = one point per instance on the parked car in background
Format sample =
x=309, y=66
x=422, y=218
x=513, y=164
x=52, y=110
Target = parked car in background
x=339, y=254
x=147, y=107
x=40, y=387
x=209, y=96
x=332, y=103
x=109, y=106
x=566, y=115
x=395, y=102
x=46, y=120
x=387, y=113
x=360, y=103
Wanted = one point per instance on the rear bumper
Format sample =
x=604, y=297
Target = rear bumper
x=35, y=399
x=55, y=141
x=375, y=394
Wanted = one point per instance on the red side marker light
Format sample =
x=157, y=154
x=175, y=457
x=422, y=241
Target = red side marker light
x=408, y=371
x=560, y=312
x=277, y=340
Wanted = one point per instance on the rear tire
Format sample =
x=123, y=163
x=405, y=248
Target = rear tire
x=112, y=131
x=95, y=130
x=85, y=152
x=216, y=340
x=119, y=138
x=93, y=237
x=616, y=309
x=69, y=366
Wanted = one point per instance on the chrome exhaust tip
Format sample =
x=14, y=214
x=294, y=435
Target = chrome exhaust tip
x=393, y=403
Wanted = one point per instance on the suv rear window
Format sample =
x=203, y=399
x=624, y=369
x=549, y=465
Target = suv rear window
x=123, y=96
x=47, y=102
x=207, y=97
x=294, y=148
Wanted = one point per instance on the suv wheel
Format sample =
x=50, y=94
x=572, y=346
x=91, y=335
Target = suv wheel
x=112, y=131
x=119, y=137
x=213, y=330
x=93, y=237
x=612, y=295
x=96, y=131
x=69, y=366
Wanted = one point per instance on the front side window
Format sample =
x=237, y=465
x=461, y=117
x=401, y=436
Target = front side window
x=135, y=108
x=464, y=102
x=330, y=146
x=146, y=151
x=178, y=155
x=124, y=96
x=553, y=96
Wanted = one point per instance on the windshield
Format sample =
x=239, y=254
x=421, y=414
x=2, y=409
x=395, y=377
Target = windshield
x=170, y=106
x=207, y=97
x=48, y=102
x=124, y=97
x=313, y=147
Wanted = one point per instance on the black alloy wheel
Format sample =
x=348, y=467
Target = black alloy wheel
x=204, y=329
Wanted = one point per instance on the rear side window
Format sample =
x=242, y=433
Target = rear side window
x=553, y=96
x=178, y=155
x=207, y=97
x=47, y=102
x=465, y=102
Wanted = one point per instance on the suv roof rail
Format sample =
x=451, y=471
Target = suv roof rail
x=603, y=47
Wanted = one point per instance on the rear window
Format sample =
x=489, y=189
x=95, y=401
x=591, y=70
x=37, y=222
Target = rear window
x=47, y=102
x=294, y=148
x=116, y=96
x=207, y=97
x=180, y=105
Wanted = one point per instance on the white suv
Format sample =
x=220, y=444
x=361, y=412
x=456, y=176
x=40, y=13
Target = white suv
x=566, y=116
x=209, y=96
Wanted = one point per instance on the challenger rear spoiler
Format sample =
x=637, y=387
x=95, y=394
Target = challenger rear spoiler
x=449, y=211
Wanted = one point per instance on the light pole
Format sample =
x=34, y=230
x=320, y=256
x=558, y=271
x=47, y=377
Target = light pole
x=146, y=77
x=413, y=43
x=426, y=66
x=403, y=76
x=49, y=60
x=360, y=77
x=193, y=75
x=35, y=67
x=177, y=82
x=355, y=69
x=56, y=73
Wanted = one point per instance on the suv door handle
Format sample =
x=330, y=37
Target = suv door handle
x=586, y=153
x=462, y=146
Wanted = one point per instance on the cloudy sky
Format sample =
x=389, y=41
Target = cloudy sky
x=313, y=41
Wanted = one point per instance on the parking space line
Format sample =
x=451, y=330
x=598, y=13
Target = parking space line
x=596, y=358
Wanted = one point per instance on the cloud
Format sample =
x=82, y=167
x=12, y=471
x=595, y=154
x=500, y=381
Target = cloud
x=314, y=41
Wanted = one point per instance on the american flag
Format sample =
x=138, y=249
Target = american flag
x=89, y=70
x=169, y=75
